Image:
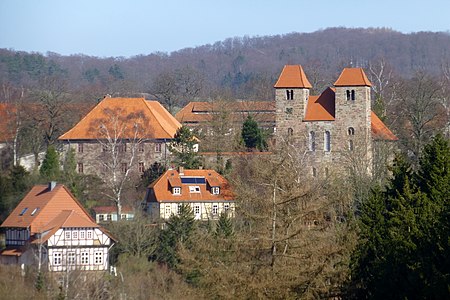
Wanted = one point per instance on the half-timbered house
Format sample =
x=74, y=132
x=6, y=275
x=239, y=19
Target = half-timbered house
x=49, y=228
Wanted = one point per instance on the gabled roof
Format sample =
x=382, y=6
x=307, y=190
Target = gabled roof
x=161, y=190
x=321, y=108
x=380, y=131
x=41, y=206
x=156, y=122
x=293, y=76
x=352, y=77
x=201, y=112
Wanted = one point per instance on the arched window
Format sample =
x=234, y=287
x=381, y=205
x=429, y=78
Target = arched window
x=353, y=95
x=327, y=141
x=312, y=141
x=350, y=145
x=290, y=131
x=351, y=131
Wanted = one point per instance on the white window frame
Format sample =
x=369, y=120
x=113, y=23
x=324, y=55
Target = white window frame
x=71, y=258
x=215, y=190
x=98, y=258
x=194, y=189
x=84, y=258
x=89, y=234
x=82, y=234
x=176, y=190
x=197, y=209
x=215, y=209
x=67, y=234
x=74, y=235
x=57, y=258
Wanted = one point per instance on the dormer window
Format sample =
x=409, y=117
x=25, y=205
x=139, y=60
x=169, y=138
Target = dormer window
x=215, y=190
x=290, y=94
x=176, y=191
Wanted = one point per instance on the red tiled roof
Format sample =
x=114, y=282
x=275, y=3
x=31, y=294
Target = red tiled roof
x=293, y=76
x=380, y=131
x=202, y=112
x=156, y=121
x=111, y=209
x=162, y=192
x=321, y=108
x=352, y=77
x=49, y=205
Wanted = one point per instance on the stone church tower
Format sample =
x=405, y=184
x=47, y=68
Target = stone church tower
x=330, y=130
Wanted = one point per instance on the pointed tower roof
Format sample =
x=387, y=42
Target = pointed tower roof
x=352, y=77
x=293, y=76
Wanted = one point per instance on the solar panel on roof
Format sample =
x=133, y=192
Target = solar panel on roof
x=193, y=180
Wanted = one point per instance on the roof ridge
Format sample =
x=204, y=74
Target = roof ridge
x=155, y=114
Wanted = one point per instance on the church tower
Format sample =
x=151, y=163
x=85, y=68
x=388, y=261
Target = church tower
x=291, y=97
x=353, y=113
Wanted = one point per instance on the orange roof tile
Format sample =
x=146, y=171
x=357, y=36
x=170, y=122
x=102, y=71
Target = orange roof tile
x=40, y=206
x=202, y=112
x=156, y=121
x=380, y=131
x=352, y=77
x=161, y=191
x=321, y=108
x=293, y=76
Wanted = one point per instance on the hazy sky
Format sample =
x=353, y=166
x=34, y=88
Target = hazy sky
x=132, y=27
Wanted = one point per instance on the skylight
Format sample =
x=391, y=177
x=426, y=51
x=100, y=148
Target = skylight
x=34, y=211
x=23, y=211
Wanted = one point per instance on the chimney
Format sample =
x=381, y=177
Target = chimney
x=51, y=185
x=181, y=170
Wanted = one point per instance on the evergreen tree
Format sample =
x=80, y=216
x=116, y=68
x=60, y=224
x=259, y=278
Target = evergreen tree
x=252, y=135
x=50, y=168
x=224, y=227
x=177, y=233
x=183, y=149
x=70, y=175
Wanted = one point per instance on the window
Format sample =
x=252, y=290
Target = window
x=141, y=167
x=215, y=190
x=89, y=234
x=109, y=217
x=98, y=258
x=101, y=218
x=80, y=148
x=23, y=211
x=74, y=235
x=226, y=207
x=327, y=141
x=124, y=167
x=176, y=191
x=168, y=210
x=312, y=141
x=34, y=211
x=67, y=234
x=289, y=110
x=196, y=209
x=123, y=147
x=84, y=258
x=71, y=258
x=57, y=258
x=350, y=145
x=290, y=131
x=179, y=209
x=353, y=95
x=347, y=92
x=194, y=189
x=215, y=209
x=82, y=234
x=290, y=94
x=351, y=131
x=314, y=172
x=141, y=147
x=158, y=147
x=123, y=217
x=80, y=168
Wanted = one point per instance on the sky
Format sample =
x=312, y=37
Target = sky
x=127, y=28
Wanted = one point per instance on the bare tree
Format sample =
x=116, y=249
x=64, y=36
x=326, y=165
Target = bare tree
x=121, y=133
